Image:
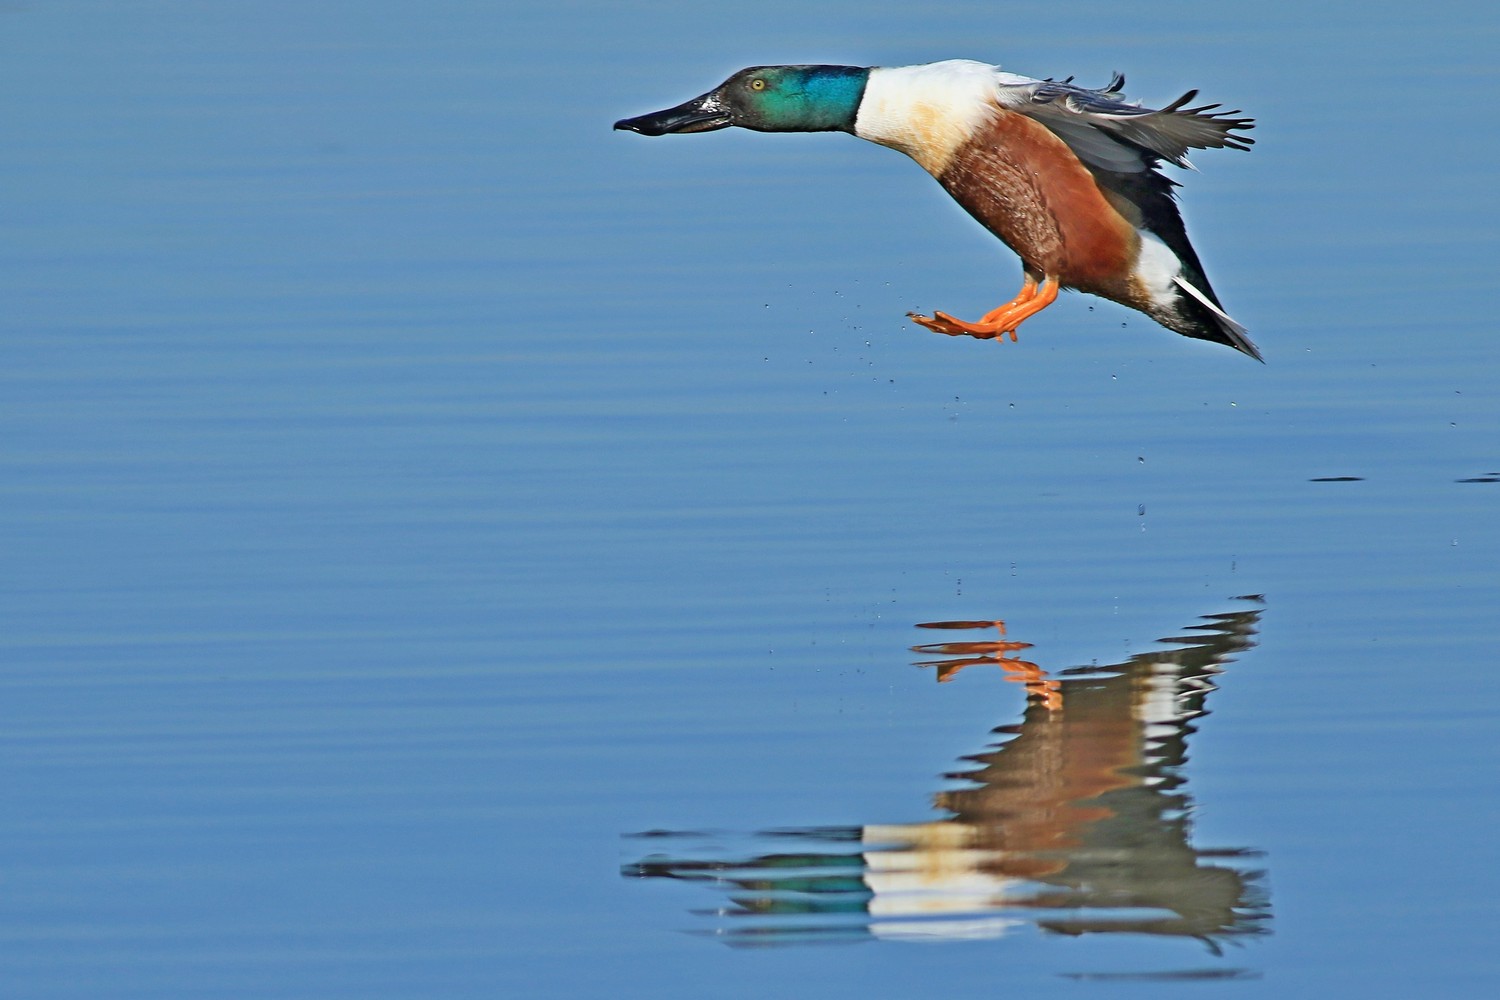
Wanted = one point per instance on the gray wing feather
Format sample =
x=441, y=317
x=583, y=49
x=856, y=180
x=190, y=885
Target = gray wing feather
x=1110, y=133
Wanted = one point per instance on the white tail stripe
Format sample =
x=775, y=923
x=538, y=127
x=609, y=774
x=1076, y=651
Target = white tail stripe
x=1236, y=333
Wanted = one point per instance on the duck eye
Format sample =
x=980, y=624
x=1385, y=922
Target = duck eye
x=758, y=84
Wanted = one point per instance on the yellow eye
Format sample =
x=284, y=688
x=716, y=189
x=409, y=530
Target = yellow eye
x=757, y=84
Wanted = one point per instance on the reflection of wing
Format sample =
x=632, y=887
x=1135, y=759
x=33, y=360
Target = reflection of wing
x=1109, y=133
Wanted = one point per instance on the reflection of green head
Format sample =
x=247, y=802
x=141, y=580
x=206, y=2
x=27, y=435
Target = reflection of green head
x=794, y=98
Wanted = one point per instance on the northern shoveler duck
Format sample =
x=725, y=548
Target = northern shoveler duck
x=1065, y=176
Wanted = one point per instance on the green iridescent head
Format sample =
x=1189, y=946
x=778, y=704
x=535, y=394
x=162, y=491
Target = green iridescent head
x=767, y=99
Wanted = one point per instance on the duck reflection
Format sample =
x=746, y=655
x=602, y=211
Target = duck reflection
x=1076, y=821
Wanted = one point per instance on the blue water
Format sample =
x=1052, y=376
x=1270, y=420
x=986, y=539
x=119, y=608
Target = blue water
x=426, y=514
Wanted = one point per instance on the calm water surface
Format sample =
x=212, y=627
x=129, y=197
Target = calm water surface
x=452, y=549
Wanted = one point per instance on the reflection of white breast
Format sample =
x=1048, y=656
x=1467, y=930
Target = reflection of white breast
x=927, y=871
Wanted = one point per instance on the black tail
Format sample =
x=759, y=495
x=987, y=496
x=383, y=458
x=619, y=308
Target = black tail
x=1197, y=312
x=1204, y=318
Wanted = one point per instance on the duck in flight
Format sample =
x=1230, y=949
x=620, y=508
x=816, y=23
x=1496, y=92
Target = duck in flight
x=1065, y=176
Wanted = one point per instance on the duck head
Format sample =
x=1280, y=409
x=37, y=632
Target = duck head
x=767, y=99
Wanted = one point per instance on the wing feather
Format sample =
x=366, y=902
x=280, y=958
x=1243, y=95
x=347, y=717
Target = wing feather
x=1111, y=133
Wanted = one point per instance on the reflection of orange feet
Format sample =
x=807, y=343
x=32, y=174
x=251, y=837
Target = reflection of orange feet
x=995, y=324
x=998, y=652
x=962, y=626
x=968, y=654
x=1039, y=687
x=992, y=653
x=1051, y=695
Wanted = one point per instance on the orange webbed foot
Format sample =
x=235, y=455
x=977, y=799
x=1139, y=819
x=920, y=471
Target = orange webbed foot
x=941, y=322
x=995, y=324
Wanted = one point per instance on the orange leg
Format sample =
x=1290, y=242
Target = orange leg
x=1025, y=295
x=1030, y=300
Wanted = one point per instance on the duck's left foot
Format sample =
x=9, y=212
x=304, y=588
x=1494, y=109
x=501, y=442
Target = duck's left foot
x=996, y=323
x=941, y=322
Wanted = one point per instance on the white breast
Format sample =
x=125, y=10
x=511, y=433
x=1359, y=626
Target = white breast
x=929, y=112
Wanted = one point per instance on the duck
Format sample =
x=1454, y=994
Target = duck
x=1069, y=178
